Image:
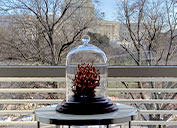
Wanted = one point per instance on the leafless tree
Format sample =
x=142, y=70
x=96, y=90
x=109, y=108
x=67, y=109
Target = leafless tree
x=146, y=22
x=42, y=30
x=171, y=14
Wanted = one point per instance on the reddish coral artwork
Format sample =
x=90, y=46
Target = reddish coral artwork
x=87, y=78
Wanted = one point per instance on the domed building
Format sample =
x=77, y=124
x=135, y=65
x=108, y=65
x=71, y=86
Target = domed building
x=86, y=10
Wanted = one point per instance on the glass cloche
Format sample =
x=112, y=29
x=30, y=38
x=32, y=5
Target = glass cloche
x=86, y=70
x=86, y=81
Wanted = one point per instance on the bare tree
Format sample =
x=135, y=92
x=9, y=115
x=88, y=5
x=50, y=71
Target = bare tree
x=145, y=23
x=40, y=32
x=43, y=29
x=171, y=14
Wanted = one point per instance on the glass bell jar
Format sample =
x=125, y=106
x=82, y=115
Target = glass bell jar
x=86, y=81
x=86, y=71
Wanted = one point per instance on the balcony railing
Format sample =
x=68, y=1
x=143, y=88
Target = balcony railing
x=116, y=74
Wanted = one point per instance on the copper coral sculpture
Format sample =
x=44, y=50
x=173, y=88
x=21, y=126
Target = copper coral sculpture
x=85, y=101
x=87, y=78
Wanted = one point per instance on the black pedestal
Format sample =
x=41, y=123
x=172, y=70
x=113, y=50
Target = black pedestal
x=87, y=105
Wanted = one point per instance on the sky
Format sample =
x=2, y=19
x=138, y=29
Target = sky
x=109, y=9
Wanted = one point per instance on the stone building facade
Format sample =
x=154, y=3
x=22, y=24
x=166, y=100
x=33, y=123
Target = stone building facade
x=112, y=29
x=108, y=28
x=99, y=26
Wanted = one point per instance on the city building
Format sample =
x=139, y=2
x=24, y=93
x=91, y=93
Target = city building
x=99, y=26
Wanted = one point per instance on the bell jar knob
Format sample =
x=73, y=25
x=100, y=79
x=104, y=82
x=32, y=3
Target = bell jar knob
x=85, y=39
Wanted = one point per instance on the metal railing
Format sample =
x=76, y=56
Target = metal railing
x=115, y=73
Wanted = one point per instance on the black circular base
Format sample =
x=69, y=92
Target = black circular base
x=87, y=105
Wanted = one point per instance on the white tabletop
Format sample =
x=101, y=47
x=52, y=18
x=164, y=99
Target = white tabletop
x=49, y=115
